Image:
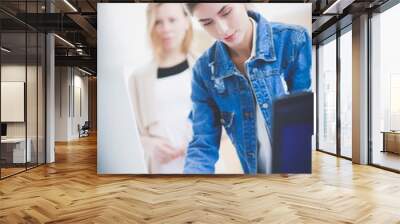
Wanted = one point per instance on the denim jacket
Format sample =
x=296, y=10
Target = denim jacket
x=222, y=96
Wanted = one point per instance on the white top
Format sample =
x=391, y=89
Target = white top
x=172, y=96
x=264, y=154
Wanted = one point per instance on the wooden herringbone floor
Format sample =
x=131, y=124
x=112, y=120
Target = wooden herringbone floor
x=70, y=191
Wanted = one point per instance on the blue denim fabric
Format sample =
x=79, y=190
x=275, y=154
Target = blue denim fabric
x=222, y=96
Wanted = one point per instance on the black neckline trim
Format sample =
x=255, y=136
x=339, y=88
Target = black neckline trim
x=173, y=70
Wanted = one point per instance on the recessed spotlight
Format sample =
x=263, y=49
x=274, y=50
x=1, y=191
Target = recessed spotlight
x=70, y=5
x=5, y=50
x=84, y=71
x=65, y=41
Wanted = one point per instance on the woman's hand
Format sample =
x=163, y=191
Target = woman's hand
x=164, y=152
x=159, y=150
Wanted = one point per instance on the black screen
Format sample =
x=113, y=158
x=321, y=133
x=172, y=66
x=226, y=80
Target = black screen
x=292, y=133
x=3, y=129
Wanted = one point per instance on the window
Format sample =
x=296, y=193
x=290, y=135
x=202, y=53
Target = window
x=22, y=78
x=385, y=89
x=346, y=94
x=327, y=97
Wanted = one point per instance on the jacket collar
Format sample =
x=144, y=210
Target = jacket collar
x=222, y=65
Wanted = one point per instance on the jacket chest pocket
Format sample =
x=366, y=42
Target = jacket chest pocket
x=225, y=93
x=270, y=83
x=223, y=86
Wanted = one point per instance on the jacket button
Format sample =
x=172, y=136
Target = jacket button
x=265, y=105
x=247, y=115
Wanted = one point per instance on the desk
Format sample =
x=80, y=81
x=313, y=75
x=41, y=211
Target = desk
x=15, y=148
x=391, y=141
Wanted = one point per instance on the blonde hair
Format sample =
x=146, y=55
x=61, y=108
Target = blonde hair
x=154, y=42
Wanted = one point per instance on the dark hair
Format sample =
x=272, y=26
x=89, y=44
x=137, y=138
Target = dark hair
x=191, y=6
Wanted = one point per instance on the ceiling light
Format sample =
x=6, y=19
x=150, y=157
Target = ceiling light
x=70, y=5
x=337, y=7
x=65, y=41
x=5, y=50
x=84, y=71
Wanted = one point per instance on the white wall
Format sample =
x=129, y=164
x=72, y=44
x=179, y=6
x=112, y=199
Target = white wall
x=68, y=80
x=12, y=73
x=80, y=83
x=61, y=103
x=15, y=73
x=314, y=89
x=33, y=126
x=118, y=145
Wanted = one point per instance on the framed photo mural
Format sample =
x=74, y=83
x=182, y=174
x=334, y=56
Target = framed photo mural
x=204, y=88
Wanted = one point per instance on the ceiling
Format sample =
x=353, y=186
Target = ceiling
x=76, y=22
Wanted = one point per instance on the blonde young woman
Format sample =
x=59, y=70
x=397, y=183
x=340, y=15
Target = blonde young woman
x=162, y=89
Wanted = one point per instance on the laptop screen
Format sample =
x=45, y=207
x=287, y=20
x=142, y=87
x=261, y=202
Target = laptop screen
x=292, y=133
